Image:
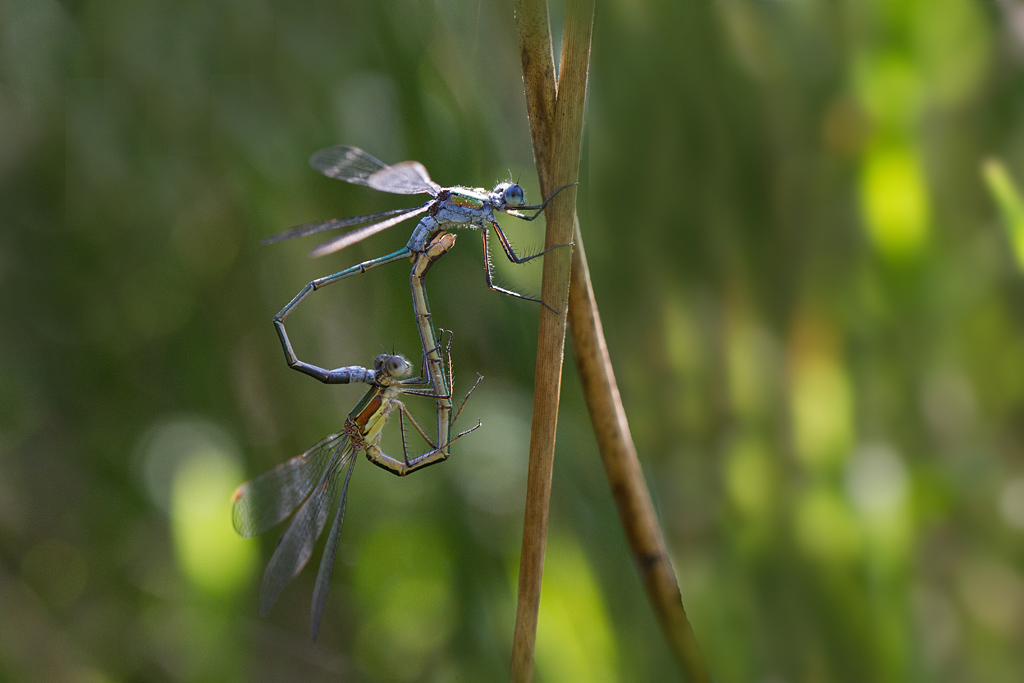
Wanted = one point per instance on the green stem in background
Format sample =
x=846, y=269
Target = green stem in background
x=1010, y=203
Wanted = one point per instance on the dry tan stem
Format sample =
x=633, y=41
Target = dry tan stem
x=557, y=127
x=618, y=453
x=548, y=123
x=538, y=60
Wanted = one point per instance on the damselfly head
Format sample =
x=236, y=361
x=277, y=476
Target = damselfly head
x=395, y=365
x=510, y=194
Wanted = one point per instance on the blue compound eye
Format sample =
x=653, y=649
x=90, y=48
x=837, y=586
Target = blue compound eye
x=514, y=196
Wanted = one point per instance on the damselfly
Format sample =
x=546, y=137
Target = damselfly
x=433, y=369
x=309, y=482
x=453, y=207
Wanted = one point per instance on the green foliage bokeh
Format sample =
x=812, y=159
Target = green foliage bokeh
x=803, y=220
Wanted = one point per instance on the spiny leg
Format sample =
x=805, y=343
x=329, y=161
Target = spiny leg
x=446, y=364
x=340, y=375
x=450, y=368
x=405, y=445
x=405, y=466
x=489, y=277
x=511, y=254
x=465, y=398
x=420, y=387
x=451, y=376
x=451, y=382
x=466, y=431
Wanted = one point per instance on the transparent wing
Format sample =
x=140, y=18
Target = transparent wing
x=296, y=546
x=407, y=177
x=333, y=224
x=359, y=234
x=323, y=575
x=353, y=165
x=269, y=498
x=350, y=164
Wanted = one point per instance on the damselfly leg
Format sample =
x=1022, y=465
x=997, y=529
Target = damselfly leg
x=448, y=207
x=310, y=483
x=433, y=374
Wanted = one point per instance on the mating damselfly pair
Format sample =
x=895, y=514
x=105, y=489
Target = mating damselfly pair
x=311, y=480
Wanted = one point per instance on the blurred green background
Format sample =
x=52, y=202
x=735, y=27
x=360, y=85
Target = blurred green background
x=806, y=236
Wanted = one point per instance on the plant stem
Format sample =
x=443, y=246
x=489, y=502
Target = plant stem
x=622, y=467
x=552, y=128
x=557, y=128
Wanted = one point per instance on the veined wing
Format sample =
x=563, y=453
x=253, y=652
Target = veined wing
x=268, y=499
x=296, y=546
x=353, y=165
x=333, y=224
x=323, y=575
x=407, y=177
x=359, y=234
x=350, y=164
